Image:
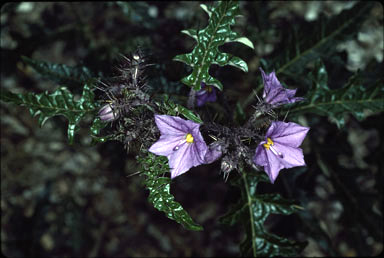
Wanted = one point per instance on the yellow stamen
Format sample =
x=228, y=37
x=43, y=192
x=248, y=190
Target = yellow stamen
x=189, y=138
x=208, y=88
x=268, y=144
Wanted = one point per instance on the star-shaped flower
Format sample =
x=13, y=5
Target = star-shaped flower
x=274, y=93
x=182, y=143
x=281, y=148
x=206, y=94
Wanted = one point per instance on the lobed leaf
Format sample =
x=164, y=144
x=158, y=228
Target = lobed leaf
x=60, y=102
x=154, y=168
x=96, y=127
x=252, y=211
x=221, y=17
x=353, y=98
x=174, y=109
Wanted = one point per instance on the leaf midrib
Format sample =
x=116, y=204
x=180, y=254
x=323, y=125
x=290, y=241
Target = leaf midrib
x=209, y=45
x=249, y=203
x=349, y=21
x=337, y=102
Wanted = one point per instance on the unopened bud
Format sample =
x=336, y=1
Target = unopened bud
x=227, y=165
x=107, y=113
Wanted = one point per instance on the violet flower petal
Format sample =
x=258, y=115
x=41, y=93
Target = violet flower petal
x=260, y=157
x=270, y=82
x=212, y=95
x=166, y=144
x=173, y=125
x=280, y=149
x=274, y=93
x=290, y=134
x=182, y=153
x=199, y=146
x=274, y=166
x=203, y=95
x=214, y=152
x=201, y=99
x=182, y=160
x=292, y=157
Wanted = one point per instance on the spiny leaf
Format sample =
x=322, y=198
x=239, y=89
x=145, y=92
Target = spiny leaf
x=154, y=168
x=60, y=102
x=96, y=127
x=325, y=35
x=60, y=73
x=221, y=17
x=353, y=98
x=252, y=211
x=174, y=109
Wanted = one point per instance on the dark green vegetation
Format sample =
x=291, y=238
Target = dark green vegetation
x=76, y=200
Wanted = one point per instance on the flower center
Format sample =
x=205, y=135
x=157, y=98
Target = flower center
x=189, y=138
x=268, y=144
x=208, y=89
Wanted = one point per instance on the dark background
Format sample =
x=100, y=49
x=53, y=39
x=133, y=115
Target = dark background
x=76, y=200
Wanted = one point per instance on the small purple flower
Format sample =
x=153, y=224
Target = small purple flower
x=281, y=148
x=182, y=143
x=206, y=94
x=274, y=93
x=107, y=114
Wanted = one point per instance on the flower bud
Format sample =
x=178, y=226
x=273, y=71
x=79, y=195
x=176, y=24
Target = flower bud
x=228, y=164
x=107, y=113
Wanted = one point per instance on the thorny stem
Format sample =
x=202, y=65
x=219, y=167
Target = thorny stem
x=191, y=99
x=249, y=202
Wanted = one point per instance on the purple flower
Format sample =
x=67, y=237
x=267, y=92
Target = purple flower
x=274, y=93
x=107, y=114
x=206, y=94
x=281, y=148
x=182, y=143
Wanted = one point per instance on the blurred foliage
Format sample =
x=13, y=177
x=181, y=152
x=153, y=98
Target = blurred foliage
x=60, y=200
x=325, y=34
x=354, y=97
x=61, y=74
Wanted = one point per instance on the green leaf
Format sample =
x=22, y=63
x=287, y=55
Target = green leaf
x=354, y=98
x=154, y=168
x=60, y=102
x=173, y=109
x=96, y=127
x=252, y=211
x=221, y=17
x=60, y=73
x=325, y=34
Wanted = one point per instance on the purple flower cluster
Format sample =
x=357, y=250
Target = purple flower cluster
x=280, y=149
x=182, y=143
